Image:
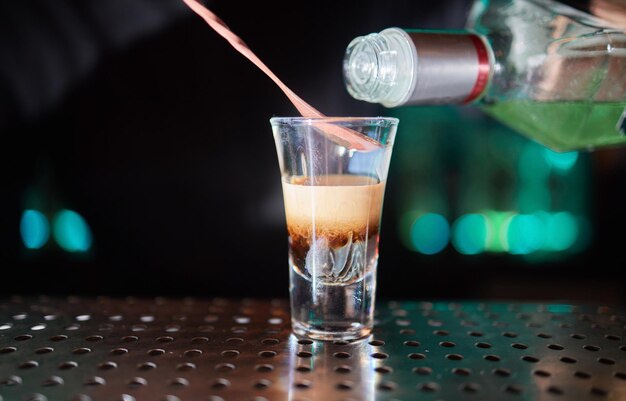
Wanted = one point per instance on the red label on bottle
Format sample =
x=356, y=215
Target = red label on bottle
x=483, y=69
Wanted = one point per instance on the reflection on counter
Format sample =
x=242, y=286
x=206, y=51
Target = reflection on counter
x=340, y=370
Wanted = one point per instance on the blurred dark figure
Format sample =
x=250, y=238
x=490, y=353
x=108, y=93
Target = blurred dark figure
x=139, y=117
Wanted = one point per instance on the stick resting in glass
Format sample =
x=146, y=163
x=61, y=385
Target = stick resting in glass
x=333, y=202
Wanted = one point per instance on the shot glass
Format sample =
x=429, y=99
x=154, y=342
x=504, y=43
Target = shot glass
x=333, y=199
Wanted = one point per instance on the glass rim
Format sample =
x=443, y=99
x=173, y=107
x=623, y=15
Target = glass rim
x=371, y=121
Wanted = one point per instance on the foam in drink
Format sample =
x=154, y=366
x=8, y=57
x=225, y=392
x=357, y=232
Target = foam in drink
x=333, y=223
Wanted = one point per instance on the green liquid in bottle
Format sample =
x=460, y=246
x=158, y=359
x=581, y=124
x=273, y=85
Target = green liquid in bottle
x=565, y=126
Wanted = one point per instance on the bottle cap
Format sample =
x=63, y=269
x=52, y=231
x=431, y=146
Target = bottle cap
x=378, y=68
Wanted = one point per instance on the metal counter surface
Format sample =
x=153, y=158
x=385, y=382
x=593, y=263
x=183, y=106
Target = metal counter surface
x=82, y=349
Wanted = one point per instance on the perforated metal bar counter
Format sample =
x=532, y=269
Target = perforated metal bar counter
x=217, y=349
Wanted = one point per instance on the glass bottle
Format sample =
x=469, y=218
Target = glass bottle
x=550, y=71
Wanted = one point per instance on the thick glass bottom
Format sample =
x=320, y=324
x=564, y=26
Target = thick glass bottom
x=354, y=332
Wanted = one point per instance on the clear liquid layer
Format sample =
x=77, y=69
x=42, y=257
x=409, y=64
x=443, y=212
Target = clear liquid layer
x=565, y=126
x=326, y=311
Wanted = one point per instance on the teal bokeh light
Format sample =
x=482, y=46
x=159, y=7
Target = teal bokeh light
x=430, y=233
x=560, y=161
x=562, y=231
x=469, y=234
x=71, y=231
x=526, y=234
x=34, y=228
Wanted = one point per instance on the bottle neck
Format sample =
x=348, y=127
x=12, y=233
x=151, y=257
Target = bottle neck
x=378, y=68
x=397, y=67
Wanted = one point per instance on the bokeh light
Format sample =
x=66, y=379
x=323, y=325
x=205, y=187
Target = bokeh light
x=71, y=231
x=560, y=161
x=497, y=226
x=526, y=234
x=34, y=229
x=469, y=234
x=430, y=233
x=562, y=231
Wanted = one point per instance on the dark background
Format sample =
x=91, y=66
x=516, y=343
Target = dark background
x=137, y=115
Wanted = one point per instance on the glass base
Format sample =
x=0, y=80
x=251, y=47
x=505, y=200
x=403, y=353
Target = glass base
x=324, y=334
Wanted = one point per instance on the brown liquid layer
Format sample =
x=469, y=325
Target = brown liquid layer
x=300, y=240
x=335, y=238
